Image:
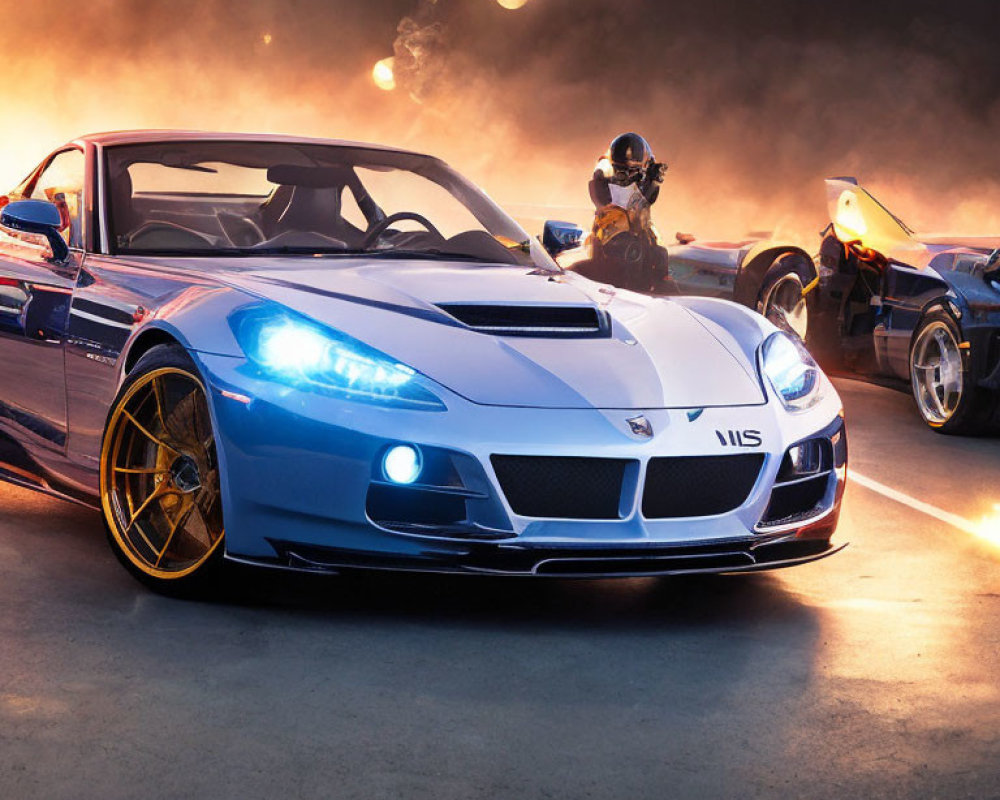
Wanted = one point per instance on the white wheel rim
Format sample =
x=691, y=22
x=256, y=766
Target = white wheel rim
x=936, y=373
x=785, y=305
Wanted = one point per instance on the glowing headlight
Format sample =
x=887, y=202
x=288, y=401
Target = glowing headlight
x=791, y=371
x=402, y=464
x=284, y=345
x=303, y=354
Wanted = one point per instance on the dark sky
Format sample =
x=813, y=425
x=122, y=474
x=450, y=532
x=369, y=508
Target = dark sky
x=751, y=101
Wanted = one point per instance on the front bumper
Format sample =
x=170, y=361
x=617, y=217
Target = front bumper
x=572, y=561
x=300, y=472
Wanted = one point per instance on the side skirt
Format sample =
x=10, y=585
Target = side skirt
x=19, y=469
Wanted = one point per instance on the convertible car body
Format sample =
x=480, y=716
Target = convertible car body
x=321, y=355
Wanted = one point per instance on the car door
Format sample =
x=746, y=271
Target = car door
x=907, y=291
x=35, y=294
x=705, y=271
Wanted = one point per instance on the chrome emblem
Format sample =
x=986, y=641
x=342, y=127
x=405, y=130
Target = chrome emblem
x=640, y=426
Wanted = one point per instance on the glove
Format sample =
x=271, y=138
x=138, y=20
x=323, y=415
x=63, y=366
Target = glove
x=656, y=172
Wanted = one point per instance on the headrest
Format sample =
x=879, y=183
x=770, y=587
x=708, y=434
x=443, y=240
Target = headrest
x=121, y=203
x=311, y=177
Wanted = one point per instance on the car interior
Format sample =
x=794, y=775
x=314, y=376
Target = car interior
x=292, y=215
x=302, y=207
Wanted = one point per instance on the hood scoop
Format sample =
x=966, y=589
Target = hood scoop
x=531, y=320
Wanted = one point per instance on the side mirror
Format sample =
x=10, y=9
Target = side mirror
x=558, y=237
x=36, y=216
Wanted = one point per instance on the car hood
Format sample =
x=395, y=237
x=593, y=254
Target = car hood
x=657, y=354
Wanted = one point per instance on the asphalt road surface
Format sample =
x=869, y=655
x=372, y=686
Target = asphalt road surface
x=874, y=673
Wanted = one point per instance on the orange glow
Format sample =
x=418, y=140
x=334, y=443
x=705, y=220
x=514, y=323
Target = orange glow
x=988, y=528
x=513, y=4
x=383, y=73
x=192, y=83
x=850, y=222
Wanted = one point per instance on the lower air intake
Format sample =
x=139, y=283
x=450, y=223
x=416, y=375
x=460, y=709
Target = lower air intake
x=699, y=486
x=643, y=566
x=562, y=487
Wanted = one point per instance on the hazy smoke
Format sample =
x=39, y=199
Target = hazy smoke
x=751, y=104
x=417, y=48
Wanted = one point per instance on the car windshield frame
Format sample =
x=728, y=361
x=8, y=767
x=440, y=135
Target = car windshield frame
x=498, y=240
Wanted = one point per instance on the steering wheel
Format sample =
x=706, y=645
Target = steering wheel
x=376, y=230
x=161, y=233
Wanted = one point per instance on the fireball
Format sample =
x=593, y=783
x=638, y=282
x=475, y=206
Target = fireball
x=383, y=74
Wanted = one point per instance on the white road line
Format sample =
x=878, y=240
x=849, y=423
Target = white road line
x=919, y=505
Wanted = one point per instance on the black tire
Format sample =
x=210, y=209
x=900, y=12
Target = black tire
x=786, y=279
x=960, y=406
x=160, y=471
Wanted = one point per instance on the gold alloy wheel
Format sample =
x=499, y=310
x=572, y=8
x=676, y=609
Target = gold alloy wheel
x=160, y=476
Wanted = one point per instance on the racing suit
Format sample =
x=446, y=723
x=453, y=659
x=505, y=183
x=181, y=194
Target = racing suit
x=624, y=244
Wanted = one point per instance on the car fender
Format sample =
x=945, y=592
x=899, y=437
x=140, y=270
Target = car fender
x=197, y=318
x=757, y=260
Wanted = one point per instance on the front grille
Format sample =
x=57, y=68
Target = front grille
x=530, y=320
x=388, y=505
x=562, y=487
x=699, y=486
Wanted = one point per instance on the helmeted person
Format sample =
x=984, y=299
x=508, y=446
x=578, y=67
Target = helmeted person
x=624, y=242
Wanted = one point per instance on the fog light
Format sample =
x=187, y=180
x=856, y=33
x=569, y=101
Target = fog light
x=402, y=464
x=807, y=457
x=803, y=460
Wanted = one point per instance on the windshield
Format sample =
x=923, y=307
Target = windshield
x=199, y=198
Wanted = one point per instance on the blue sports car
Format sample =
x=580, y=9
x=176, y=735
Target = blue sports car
x=321, y=355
